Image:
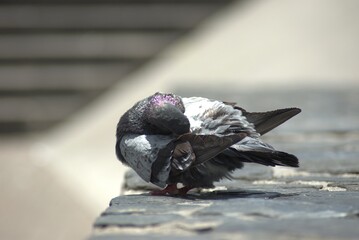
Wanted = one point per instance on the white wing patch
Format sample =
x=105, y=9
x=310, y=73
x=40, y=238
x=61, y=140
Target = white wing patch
x=200, y=111
x=196, y=107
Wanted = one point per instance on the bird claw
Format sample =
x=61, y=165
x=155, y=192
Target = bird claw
x=171, y=190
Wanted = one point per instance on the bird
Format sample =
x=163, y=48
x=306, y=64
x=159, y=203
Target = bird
x=170, y=140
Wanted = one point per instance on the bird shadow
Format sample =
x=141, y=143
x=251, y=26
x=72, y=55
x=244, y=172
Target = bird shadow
x=235, y=193
x=227, y=194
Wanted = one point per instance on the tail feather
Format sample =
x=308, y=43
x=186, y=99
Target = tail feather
x=266, y=121
x=275, y=158
x=254, y=150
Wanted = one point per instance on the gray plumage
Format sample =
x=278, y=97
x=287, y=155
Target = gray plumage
x=196, y=141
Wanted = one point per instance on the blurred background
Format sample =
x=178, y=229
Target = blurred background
x=70, y=68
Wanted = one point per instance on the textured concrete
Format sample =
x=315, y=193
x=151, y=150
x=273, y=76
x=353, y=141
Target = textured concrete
x=270, y=211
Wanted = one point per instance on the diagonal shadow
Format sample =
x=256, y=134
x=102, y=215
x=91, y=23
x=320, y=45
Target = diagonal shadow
x=234, y=193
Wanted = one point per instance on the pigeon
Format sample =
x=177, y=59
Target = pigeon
x=170, y=140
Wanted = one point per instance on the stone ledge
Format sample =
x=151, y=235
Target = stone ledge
x=271, y=210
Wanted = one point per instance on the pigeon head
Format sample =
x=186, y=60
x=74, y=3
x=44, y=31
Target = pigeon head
x=165, y=113
x=160, y=113
x=161, y=99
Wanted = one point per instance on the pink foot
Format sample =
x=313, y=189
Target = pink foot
x=171, y=189
x=183, y=191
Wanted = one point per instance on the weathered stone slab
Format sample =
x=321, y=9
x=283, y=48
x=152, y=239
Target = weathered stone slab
x=235, y=213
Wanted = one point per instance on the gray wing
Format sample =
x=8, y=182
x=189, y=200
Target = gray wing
x=149, y=156
x=205, y=147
